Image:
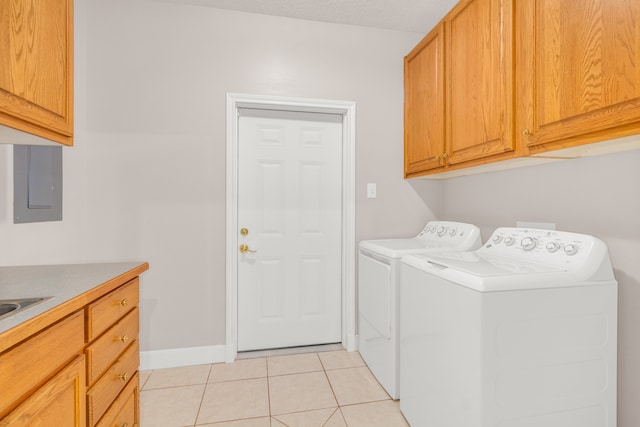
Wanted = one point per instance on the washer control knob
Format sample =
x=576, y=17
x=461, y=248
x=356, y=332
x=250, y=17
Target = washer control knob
x=553, y=246
x=570, y=249
x=442, y=230
x=452, y=232
x=529, y=243
x=509, y=241
x=497, y=239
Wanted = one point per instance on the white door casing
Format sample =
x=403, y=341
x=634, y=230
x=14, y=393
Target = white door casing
x=346, y=110
x=289, y=202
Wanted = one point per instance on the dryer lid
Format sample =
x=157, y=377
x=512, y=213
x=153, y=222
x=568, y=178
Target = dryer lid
x=396, y=248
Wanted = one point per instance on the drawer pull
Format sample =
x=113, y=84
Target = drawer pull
x=125, y=424
x=123, y=302
x=123, y=338
x=124, y=377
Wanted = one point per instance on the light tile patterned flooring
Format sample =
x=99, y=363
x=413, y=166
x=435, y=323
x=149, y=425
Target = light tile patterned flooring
x=323, y=389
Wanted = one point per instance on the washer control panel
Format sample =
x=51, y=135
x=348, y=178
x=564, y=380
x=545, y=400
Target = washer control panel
x=552, y=247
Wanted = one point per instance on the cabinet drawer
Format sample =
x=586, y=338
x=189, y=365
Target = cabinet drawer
x=104, y=312
x=104, y=391
x=124, y=411
x=30, y=363
x=104, y=351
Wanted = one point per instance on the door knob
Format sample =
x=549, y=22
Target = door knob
x=245, y=248
x=244, y=231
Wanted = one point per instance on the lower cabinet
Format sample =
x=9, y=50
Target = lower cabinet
x=44, y=377
x=59, y=402
x=113, y=352
x=81, y=370
x=125, y=411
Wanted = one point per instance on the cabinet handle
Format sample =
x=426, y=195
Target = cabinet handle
x=123, y=338
x=125, y=424
x=527, y=132
x=124, y=377
x=445, y=156
x=123, y=302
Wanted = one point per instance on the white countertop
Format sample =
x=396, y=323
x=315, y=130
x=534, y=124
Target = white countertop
x=60, y=282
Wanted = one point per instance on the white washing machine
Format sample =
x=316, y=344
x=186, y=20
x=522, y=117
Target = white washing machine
x=378, y=291
x=520, y=333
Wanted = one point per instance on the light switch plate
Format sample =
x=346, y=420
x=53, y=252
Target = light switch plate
x=371, y=190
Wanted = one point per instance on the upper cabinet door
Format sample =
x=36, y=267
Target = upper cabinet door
x=479, y=87
x=36, y=67
x=424, y=104
x=581, y=71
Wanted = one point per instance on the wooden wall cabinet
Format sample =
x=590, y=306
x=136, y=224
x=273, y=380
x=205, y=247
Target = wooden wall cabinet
x=424, y=105
x=524, y=80
x=581, y=73
x=479, y=81
x=36, y=68
x=459, y=90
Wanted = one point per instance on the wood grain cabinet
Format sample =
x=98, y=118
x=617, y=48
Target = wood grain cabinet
x=44, y=377
x=36, y=67
x=424, y=105
x=581, y=71
x=459, y=90
x=76, y=364
x=479, y=81
x=113, y=354
x=522, y=79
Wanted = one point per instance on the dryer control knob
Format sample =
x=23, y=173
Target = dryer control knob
x=442, y=230
x=553, y=246
x=452, y=232
x=509, y=241
x=497, y=239
x=570, y=249
x=529, y=243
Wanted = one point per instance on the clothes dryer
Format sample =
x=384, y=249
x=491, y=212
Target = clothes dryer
x=378, y=291
x=520, y=333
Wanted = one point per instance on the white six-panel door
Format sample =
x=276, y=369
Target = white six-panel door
x=289, y=201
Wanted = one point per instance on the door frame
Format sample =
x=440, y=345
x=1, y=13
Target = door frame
x=347, y=109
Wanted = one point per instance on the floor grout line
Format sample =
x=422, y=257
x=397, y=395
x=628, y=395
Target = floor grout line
x=270, y=419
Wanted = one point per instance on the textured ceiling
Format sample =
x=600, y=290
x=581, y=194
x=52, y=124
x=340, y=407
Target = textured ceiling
x=404, y=15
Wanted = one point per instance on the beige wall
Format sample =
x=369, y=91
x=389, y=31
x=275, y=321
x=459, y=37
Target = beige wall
x=599, y=196
x=146, y=179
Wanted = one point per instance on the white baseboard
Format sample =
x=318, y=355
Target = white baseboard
x=177, y=357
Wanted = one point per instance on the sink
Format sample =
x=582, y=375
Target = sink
x=9, y=307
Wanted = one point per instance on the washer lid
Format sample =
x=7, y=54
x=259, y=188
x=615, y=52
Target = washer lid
x=490, y=273
x=486, y=265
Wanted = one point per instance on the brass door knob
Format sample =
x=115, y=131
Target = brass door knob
x=245, y=248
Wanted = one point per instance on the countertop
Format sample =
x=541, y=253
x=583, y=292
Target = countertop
x=64, y=284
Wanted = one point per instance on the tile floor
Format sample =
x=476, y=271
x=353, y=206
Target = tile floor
x=320, y=389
